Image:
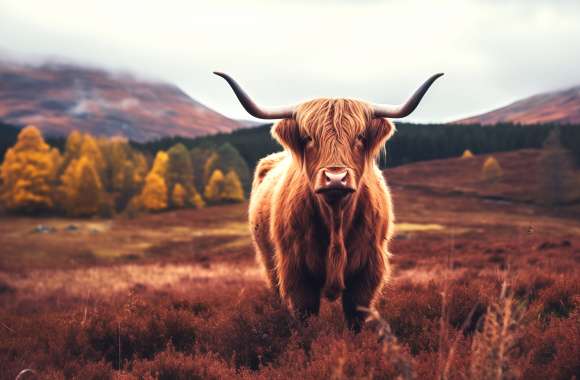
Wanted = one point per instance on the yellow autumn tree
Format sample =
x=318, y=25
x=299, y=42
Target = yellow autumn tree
x=491, y=170
x=467, y=154
x=226, y=158
x=214, y=188
x=209, y=167
x=56, y=159
x=72, y=150
x=82, y=188
x=28, y=173
x=222, y=188
x=125, y=170
x=130, y=182
x=232, y=188
x=154, y=195
x=160, y=164
x=180, y=172
x=90, y=149
x=196, y=200
x=178, y=196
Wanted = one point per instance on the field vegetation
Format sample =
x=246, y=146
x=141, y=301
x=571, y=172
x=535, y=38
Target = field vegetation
x=485, y=286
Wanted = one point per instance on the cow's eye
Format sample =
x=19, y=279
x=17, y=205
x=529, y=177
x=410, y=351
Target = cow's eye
x=361, y=138
x=307, y=139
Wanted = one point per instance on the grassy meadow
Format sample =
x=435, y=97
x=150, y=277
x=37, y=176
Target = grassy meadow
x=485, y=285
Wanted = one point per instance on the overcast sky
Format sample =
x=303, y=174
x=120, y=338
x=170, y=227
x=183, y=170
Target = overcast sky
x=492, y=51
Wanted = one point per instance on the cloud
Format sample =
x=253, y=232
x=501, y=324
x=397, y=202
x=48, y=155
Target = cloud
x=492, y=52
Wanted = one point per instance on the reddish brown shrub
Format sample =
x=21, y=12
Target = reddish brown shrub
x=552, y=351
x=251, y=333
x=172, y=365
x=560, y=299
x=88, y=371
x=235, y=328
x=413, y=312
x=527, y=286
x=342, y=356
x=466, y=302
x=140, y=330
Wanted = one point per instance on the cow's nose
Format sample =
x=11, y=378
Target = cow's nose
x=335, y=177
x=334, y=183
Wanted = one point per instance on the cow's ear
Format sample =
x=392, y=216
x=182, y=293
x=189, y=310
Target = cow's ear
x=379, y=131
x=287, y=133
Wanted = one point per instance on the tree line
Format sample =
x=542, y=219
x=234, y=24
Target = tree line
x=103, y=176
x=411, y=142
x=84, y=175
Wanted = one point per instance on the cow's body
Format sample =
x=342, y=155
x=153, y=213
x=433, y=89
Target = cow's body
x=320, y=212
x=309, y=249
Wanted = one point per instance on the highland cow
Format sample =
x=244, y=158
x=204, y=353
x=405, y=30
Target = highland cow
x=321, y=215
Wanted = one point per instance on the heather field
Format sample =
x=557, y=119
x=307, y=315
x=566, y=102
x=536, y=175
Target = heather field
x=485, y=285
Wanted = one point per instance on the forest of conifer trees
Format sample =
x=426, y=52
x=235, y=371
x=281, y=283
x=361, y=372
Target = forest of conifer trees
x=410, y=143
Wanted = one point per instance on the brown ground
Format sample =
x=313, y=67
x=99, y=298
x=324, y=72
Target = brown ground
x=178, y=295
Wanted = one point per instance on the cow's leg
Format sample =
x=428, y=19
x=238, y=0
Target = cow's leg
x=264, y=248
x=303, y=294
x=360, y=292
x=267, y=261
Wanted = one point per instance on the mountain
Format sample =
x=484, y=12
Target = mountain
x=252, y=123
x=59, y=98
x=561, y=107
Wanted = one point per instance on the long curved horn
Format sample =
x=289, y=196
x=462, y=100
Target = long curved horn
x=254, y=109
x=385, y=110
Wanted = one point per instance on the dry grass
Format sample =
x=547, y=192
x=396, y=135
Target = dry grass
x=493, y=346
x=190, y=303
x=215, y=329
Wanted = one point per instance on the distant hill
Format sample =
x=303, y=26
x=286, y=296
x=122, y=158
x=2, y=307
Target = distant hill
x=560, y=107
x=523, y=174
x=252, y=123
x=59, y=98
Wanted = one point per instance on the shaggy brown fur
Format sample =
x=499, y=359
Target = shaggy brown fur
x=307, y=246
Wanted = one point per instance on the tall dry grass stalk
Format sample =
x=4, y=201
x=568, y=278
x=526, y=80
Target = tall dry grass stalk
x=445, y=355
x=492, y=348
x=447, y=350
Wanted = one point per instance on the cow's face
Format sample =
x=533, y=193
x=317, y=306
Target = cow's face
x=334, y=141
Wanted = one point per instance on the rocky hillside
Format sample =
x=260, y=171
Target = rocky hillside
x=561, y=107
x=60, y=98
